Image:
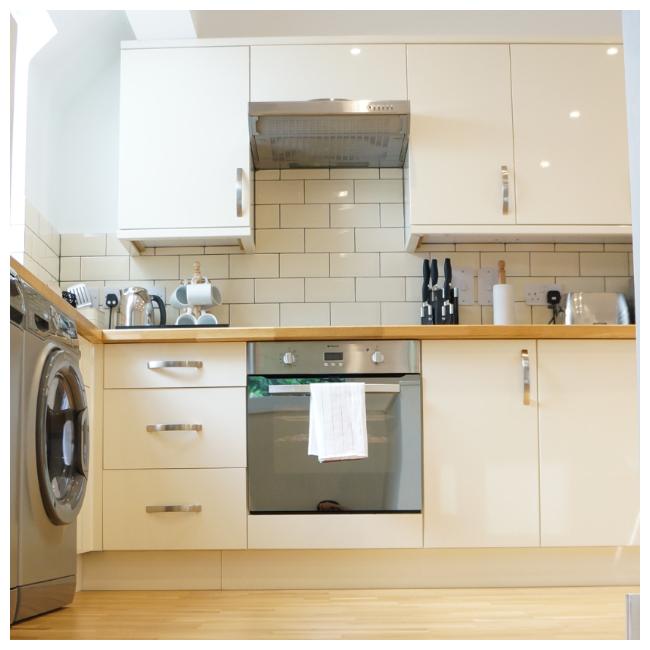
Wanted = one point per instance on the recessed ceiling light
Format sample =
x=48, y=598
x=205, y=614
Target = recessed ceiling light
x=544, y=164
x=574, y=115
x=355, y=51
x=612, y=51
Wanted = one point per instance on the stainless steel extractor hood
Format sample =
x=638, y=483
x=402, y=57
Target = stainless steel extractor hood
x=328, y=133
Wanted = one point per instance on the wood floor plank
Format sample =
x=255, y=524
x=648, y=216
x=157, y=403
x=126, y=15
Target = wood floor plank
x=528, y=613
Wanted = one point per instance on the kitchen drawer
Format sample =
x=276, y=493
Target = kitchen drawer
x=219, y=412
x=127, y=365
x=220, y=524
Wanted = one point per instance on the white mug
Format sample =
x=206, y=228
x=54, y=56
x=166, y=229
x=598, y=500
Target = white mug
x=207, y=319
x=186, y=319
x=178, y=298
x=203, y=294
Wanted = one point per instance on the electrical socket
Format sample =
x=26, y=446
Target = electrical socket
x=536, y=293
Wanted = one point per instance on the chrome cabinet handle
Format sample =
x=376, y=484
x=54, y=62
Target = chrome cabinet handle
x=281, y=389
x=505, y=190
x=152, y=365
x=238, y=188
x=153, y=428
x=525, y=362
x=181, y=508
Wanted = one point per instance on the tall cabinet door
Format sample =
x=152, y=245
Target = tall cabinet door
x=589, y=443
x=480, y=444
x=570, y=134
x=460, y=147
x=183, y=136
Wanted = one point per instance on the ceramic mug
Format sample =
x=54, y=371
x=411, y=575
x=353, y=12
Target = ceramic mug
x=203, y=294
x=178, y=298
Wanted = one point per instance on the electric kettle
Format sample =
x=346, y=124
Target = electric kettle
x=136, y=308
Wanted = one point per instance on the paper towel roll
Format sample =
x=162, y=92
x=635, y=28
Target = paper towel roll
x=503, y=304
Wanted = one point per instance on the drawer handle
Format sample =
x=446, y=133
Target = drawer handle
x=525, y=363
x=505, y=190
x=238, y=192
x=152, y=365
x=153, y=428
x=181, y=508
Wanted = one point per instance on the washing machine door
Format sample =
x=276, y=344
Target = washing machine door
x=62, y=437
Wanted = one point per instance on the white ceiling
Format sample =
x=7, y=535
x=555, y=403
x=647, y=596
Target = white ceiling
x=571, y=26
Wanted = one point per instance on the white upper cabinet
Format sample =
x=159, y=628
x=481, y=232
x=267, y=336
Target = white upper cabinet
x=184, y=147
x=303, y=72
x=480, y=459
x=588, y=443
x=460, y=146
x=570, y=134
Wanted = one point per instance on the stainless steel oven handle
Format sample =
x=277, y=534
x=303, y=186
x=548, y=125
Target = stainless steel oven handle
x=292, y=389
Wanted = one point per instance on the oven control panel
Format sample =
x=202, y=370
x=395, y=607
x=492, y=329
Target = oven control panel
x=333, y=357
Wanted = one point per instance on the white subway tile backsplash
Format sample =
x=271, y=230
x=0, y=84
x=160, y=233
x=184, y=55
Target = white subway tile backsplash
x=400, y=313
x=304, y=265
x=464, y=260
x=379, y=239
x=413, y=287
x=280, y=241
x=267, y=216
x=580, y=284
x=396, y=264
x=280, y=192
x=107, y=268
x=267, y=175
x=392, y=215
x=336, y=191
x=366, y=173
x=300, y=314
x=619, y=285
x=390, y=173
x=255, y=315
x=355, y=215
x=314, y=215
x=573, y=247
x=212, y=266
x=329, y=240
x=254, y=265
x=280, y=290
x=153, y=268
x=83, y=245
x=603, y=264
x=70, y=269
x=355, y=313
x=382, y=191
x=554, y=264
x=290, y=174
x=236, y=291
x=469, y=315
x=380, y=289
x=354, y=264
x=329, y=289
x=516, y=263
x=621, y=248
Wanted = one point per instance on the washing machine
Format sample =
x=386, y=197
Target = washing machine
x=53, y=458
x=16, y=337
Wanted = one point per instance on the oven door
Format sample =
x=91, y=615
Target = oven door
x=282, y=478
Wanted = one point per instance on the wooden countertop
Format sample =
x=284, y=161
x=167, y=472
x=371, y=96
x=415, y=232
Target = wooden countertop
x=423, y=332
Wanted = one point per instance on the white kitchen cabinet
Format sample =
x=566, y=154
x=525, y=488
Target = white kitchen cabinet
x=461, y=135
x=480, y=456
x=184, y=147
x=570, y=134
x=303, y=72
x=589, y=443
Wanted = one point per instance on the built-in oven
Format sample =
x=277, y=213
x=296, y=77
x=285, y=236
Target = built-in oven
x=283, y=478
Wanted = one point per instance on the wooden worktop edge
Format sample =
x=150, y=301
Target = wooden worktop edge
x=84, y=327
x=421, y=332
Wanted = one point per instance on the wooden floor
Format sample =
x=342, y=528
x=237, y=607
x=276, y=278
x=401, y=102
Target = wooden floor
x=534, y=613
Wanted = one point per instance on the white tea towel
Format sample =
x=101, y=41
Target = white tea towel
x=337, y=421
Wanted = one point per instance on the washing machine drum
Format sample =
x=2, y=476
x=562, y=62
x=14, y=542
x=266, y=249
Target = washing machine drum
x=62, y=437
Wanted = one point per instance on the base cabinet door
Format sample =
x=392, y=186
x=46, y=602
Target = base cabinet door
x=480, y=444
x=589, y=444
x=174, y=509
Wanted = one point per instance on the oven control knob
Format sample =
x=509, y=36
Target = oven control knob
x=377, y=357
x=288, y=358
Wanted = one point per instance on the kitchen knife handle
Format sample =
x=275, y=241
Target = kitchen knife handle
x=238, y=191
x=426, y=276
x=434, y=272
x=505, y=190
x=525, y=363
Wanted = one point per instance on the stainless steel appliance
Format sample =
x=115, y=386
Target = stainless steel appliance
x=136, y=308
x=585, y=308
x=329, y=133
x=16, y=340
x=53, y=459
x=282, y=478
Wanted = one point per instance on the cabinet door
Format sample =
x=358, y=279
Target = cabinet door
x=570, y=134
x=589, y=444
x=461, y=134
x=183, y=135
x=302, y=72
x=480, y=445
